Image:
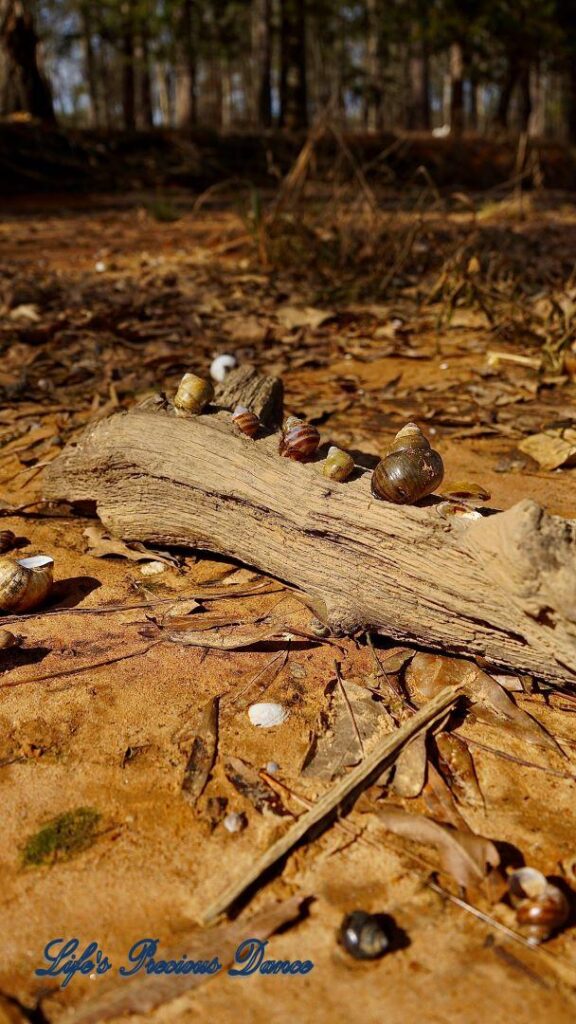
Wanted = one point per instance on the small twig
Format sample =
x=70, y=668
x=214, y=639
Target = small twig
x=324, y=808
x=81, y=668
x=349, y=706
x=517, y=760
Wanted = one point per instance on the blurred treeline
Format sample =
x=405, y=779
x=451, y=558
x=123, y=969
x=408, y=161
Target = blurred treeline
x=478, y=66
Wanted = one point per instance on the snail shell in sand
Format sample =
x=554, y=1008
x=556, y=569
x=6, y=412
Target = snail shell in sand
x=7, y=540
x=24, y=582
x=541, y=907
x=338, y=465
x=193, y=394
x=364, y=935
x=8, y=640
x=410, y=469
x=246, y=421
x=299, y=440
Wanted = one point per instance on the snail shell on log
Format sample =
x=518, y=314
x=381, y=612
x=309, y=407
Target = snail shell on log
x=24, y=582
x=246, y=421
x=193, y=394
x=221, y=365
x=410, y=469
x=338, y=465
x=364, y=936
x=541, y=908
x=299, y=440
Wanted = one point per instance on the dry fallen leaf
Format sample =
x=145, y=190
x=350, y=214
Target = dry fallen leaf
x=201, y=752
x=343, y=731
x=463, y=855
x=410, y=774
x=552, y=448
x=302, y=316
x=247, y=781
x=101, y=544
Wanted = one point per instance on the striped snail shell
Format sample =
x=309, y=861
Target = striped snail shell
x=7, y=540
x=541, y=908
x=364, y=935
x=409, y=470
x=246, y=421
x=193, y=394
x=299, y=440
x=338, y=465
x=24, y=582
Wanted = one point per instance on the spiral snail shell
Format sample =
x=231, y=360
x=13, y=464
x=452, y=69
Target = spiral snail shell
x=338, y=465
x=24, y=582
x=299, y=440
x=8, y=640
x=193, y=394
x=541, y=908
x=364, y=935
x=246, y=421
x=7, y=540
x=409, y=470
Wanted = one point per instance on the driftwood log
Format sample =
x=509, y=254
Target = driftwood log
x=503, y=587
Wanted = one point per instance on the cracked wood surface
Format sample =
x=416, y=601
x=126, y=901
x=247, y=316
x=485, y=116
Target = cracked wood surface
x=503, y=587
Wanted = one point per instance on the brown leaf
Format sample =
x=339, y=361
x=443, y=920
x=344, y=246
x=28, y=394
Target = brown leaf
x=302, y=316
x=101, y=545
x=463, y=855
x=144, y=992
x=552, y=448
x=336, y=743
x=202, y=752
x=457, y=764
x=410, y=774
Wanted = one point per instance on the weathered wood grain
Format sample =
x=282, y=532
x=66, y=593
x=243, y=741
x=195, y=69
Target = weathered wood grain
x=503, y=587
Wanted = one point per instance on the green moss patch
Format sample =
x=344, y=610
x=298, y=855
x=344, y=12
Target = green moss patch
x=61, y=837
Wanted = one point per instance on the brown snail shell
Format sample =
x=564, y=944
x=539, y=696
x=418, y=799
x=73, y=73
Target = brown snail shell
x=193, y=394
x=299, y=440
x=8, y=640
x=338, y=465
x=410, y=469
x=7, y=540
x=24, y=582
x=541, y=908
x=246, y=421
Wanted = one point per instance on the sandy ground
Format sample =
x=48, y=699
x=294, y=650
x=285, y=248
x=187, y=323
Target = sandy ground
x=95, y=714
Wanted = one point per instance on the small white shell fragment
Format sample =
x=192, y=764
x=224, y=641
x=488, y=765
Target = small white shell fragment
x=100, y=267
x=221, y=366
x=272, y=767
x=266, y=715
x=152, y=568
x=234, y=822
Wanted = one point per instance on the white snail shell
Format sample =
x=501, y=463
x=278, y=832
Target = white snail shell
x=24, y=582
x=221, y=365
x=266, y=714
x=193, y=394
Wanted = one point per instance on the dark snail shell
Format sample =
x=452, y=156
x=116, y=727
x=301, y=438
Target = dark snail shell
x=299, y=440
x=410, y=470
x=246, y=421
x=7, y=541
x=364, y=935
x=8, y=640
x=541, y=908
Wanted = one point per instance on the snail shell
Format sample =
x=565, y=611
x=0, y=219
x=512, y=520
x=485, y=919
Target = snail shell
x=7, y=540
x=338, y=465
x=410, y=469
x=8, y=640
x=246, y=421
x=221, y=365
x=299, y=440
x=193, y=395
x=24, y=582
x=541, y=908
x=364, y=935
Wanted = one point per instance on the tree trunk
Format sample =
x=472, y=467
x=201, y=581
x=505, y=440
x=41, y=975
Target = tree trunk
x=145, y=105
x=186, y=67
x=502, y=587
x=128, y=75
x=374, y=62
x=293, y=91
x=456, y=89
x=23, y=86
x=262, y=62
x=525, y=107
x=506, y=93
x=91, y=67
x=418, y=79
x=571, y=100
